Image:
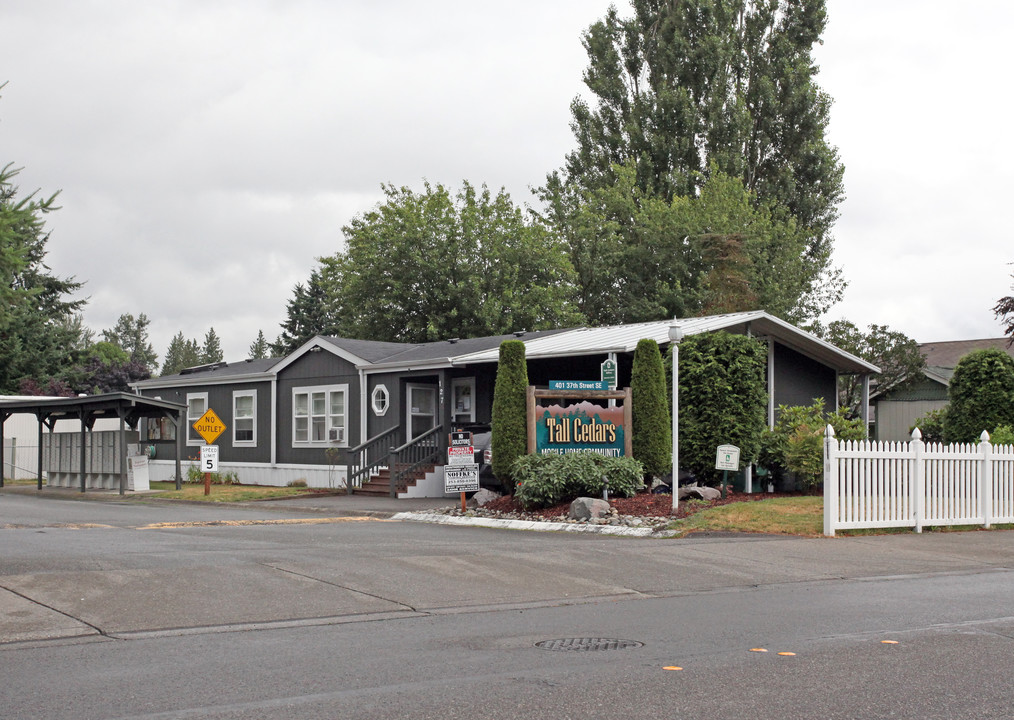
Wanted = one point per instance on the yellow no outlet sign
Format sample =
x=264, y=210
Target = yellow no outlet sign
x=209, y=427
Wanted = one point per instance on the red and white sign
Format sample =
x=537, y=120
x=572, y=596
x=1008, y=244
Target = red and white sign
x=461, y=455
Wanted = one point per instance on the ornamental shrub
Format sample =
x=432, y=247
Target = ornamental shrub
x=509, y=417
x=651, y=441
x=723, y=399
x=1002, y=435
x=547, y=480
x=931, y=425
x=981, y=395
x=797, y=441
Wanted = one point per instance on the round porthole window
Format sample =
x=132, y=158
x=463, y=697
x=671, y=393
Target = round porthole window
x=381, y=400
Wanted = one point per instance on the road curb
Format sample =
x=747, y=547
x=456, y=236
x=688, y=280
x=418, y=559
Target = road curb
x=535, y=525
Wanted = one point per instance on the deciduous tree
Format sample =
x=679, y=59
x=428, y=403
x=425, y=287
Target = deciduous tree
x=680, y=91
x=897, y=355
x=431, y=265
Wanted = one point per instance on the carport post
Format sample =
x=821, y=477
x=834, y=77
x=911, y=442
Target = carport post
x=180, y=432
x=3, y=419
x=84, y=445
x=123, y=453
x=39, y=466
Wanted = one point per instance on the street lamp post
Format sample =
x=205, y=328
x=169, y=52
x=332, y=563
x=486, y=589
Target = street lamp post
x=675, y=336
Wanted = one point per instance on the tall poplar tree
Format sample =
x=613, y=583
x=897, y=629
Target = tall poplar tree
x=680, y=90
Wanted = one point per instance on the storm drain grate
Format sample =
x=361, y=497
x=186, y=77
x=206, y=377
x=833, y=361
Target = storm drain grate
x=576, y=644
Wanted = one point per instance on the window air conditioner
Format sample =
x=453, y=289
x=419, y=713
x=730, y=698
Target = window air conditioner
x=336, y=434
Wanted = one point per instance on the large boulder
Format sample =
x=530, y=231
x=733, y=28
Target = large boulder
x=702, y=493
x=586, y=508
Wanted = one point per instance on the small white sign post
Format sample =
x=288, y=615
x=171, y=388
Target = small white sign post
x=727, y=459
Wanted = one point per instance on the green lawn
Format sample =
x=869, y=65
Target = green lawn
x=226, y=493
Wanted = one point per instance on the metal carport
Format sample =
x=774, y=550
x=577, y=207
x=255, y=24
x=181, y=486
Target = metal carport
x=127, y=407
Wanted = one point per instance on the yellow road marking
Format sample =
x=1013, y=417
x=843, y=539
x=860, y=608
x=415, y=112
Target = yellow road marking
x=786, y=653
x=57, y=526
x=672, y=667
x=889, y=642
x=758, y=650
x=238, y=523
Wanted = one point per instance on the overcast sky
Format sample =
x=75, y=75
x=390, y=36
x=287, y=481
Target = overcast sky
x=207, y=151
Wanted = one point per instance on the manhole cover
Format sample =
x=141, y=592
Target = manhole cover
x=574, y=644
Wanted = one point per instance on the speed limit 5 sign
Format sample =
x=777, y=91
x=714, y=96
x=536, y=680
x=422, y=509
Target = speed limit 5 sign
x=209, y=458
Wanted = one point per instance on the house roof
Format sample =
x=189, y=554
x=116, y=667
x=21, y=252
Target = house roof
x=624, y=338
x=214, y=373
x=373, y=355
x=947, y=354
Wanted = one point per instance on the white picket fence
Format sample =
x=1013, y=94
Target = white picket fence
x=871, y=484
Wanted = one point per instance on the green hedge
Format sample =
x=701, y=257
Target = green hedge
x=547, y=480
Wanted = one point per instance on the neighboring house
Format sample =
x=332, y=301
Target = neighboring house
x=308, y=416
x=896, y=411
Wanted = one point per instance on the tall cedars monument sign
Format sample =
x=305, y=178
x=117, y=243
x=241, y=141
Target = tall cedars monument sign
x=584, y=427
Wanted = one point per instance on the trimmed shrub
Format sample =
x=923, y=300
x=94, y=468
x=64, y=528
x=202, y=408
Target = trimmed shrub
x=547, y=480
x=723, y=399
x=981, y=395
x=651, y=441
x=510, y=412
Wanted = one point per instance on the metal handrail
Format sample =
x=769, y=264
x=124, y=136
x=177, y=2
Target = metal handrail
x=423, y=450
x=367, y=457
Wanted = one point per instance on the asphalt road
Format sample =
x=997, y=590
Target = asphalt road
x=126, y=610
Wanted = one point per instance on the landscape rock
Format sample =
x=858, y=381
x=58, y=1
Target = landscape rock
x=585, y=508
x=702, y=493
x=482, y=497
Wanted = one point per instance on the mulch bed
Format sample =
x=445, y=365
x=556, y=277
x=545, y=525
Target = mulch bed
x=641, y=505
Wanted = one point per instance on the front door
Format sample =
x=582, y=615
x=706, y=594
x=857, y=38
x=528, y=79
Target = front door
x=422, y=409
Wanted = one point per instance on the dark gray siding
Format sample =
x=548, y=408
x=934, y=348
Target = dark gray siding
x=310, y=370
x=800, y=380
x=220, y=400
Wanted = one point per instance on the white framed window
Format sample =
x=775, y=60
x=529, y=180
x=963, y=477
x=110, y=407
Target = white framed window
x=244, y=418
x=197, y=405
x=380, y=399
x=319, y=416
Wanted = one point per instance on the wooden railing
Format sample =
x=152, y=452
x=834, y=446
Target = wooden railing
x=427, y=449
x=366, y=457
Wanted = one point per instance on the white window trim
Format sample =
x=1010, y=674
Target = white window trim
x=327, y=389
x=193, y=439
x=380, y=390
x=235, y=424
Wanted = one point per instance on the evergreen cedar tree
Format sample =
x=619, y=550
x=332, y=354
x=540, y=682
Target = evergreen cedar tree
x=37, y=327
x=723, y=399
x=981, y=395
x=510, y=411
x=652, y=432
